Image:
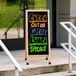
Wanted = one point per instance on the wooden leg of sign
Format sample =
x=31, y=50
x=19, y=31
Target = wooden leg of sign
x=46, y=57
x=27, y=63
x=26, y=48
x=49, y=60
x=27, y=60
x=25, y=54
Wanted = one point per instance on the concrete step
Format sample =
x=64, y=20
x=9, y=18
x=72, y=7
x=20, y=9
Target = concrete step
x=39, y=70
x=58, y=74
x=38, y=65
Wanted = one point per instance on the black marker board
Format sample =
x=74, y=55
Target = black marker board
x=37, y=23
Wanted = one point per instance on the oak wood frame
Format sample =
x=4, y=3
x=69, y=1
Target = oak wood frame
x=26, y=36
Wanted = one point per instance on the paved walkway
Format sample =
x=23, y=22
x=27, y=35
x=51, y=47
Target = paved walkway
x=58, y=57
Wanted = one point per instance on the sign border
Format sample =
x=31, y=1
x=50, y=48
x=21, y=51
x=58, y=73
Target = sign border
x=26, y=35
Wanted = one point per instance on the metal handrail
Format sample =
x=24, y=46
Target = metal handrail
x=70, y=45
x=17, y=66
x=15, y=21
x=64, y=46
x=68, y=30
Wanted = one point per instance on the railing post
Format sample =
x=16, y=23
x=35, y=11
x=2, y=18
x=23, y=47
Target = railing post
x=69, y=46
x=5, y=35
x=16, y=72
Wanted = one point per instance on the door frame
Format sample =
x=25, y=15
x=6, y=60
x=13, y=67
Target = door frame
x=53, y=24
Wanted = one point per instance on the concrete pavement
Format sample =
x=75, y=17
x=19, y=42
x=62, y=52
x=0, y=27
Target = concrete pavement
x=38, y=65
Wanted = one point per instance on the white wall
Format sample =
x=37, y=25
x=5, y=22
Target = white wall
x=63, y=11
x=73, y=16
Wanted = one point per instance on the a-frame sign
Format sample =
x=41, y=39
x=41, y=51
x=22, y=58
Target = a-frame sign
x=37, y=34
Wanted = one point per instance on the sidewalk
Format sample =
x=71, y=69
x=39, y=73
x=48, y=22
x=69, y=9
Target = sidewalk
x=58, y=57
x=38, y=65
